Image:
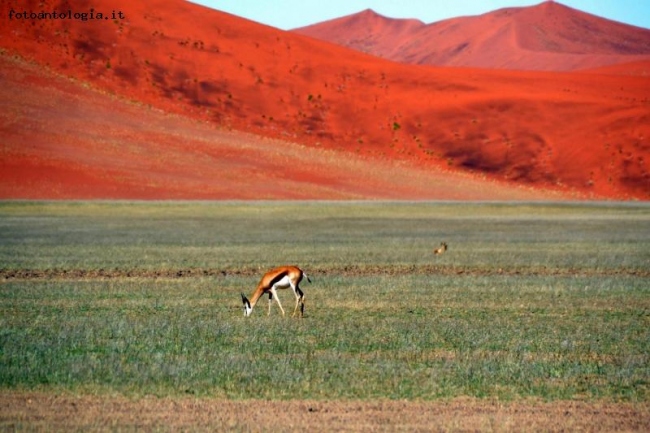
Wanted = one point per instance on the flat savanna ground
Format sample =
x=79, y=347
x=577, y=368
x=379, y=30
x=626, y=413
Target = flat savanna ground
x=127, y=316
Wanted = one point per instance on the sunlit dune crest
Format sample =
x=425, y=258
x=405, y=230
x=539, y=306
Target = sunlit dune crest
x=549, y=36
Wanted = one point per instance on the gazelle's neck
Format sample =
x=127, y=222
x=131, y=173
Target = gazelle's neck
x=257, y=294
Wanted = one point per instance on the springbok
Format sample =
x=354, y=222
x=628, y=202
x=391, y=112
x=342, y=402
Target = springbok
x=278, y=278
x=441, y=249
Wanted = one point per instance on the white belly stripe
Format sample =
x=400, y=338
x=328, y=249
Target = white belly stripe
x=284, y=283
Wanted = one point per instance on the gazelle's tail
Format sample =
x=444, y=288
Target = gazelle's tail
x=306, y=276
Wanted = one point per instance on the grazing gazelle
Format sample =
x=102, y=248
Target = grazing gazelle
x=441, y=249
x=278, y=278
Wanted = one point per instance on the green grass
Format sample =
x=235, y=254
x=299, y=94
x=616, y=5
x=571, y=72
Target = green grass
x=529, y=332
x=232, y=235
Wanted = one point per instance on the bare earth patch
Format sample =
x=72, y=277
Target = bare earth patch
x=52, y=412
x=346, y=270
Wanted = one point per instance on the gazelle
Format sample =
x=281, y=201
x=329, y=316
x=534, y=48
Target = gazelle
x=278, y=278
x=441, y=249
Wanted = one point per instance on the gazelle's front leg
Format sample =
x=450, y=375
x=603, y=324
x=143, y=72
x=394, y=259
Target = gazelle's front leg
x=274, y=294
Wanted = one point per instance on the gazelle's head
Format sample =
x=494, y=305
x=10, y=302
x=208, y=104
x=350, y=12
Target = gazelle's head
x=247, y=306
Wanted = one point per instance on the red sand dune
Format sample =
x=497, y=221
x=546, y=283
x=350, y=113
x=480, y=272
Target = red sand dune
x=549, y=36
x=580, y=132
x=63, y=140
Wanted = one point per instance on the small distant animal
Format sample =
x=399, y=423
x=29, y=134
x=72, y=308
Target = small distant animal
x=441, y=249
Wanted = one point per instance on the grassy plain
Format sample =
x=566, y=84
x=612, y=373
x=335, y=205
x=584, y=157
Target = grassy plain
x=549, y=302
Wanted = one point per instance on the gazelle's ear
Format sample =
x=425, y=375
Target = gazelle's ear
x=247, y=305
x=244, y=299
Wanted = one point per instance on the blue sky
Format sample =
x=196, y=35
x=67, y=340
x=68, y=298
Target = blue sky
x=288, y=14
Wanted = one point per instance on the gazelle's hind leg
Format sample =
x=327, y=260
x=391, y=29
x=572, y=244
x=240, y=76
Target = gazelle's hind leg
x=300, y=300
